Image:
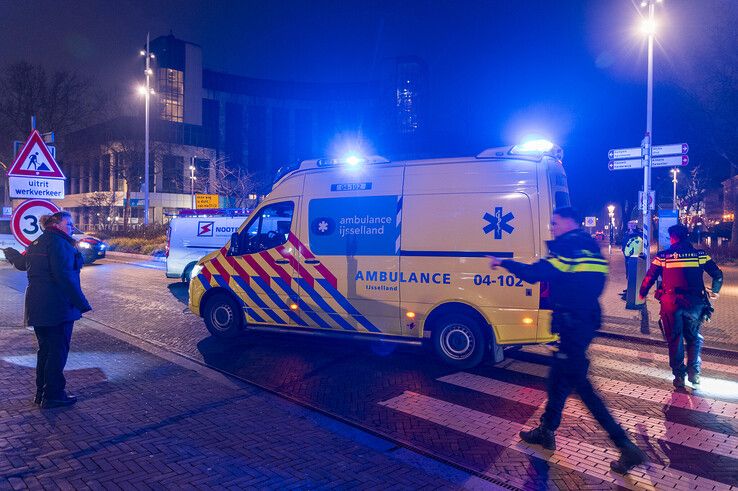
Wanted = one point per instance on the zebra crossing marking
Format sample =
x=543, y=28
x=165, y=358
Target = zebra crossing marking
x=572, y=454
x=683, y=400
x=688, y=436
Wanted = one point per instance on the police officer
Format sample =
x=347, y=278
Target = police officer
x=632, y=244
x=576, y=272
x=682, y=297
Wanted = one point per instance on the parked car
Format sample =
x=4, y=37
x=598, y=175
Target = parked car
x=89, y=246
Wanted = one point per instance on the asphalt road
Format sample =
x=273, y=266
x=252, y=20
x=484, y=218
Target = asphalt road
x=469, y=418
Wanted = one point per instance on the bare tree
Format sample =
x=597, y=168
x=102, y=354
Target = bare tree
x=236, y=184
x=101, y=204
x=130, y=167
x=62, y=101
x=693, y=194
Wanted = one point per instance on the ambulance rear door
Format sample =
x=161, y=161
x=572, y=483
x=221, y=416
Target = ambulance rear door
x=349, y=238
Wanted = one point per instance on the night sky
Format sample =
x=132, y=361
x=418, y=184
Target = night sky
x=571, y=71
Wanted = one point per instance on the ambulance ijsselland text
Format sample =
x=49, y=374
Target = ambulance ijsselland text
x=365, y=247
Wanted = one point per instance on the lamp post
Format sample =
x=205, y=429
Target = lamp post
x=147, y=91
x=611, y=214
x=192, y=183
x=674, y=173
x=649, y=27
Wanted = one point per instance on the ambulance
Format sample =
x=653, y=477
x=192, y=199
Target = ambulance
x=365, y=247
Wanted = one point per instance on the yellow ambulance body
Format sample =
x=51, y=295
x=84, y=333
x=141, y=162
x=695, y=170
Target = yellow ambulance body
x=367, y=247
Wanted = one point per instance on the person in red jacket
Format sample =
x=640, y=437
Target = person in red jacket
x=682, y=298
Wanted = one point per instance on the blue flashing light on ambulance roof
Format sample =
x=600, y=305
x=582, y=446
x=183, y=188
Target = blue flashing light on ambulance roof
x=533, y=146
x=531, y=150
x=352, y=161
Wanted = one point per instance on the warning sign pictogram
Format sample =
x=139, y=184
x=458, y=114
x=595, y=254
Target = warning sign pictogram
x=35, y=160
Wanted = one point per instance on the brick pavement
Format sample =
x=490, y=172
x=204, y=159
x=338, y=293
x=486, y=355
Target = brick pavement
x=143, y=422
x=721, y=332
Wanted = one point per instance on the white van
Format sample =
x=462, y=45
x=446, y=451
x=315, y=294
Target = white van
x=189, y=238
x=367, y=247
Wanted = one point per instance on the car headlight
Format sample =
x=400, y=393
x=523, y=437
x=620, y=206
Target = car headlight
x=102, y=246
x=195, y=270
x=84, y=245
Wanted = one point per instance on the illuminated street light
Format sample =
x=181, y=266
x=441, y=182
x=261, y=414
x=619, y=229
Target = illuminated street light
x=674, y=173
x=611, y=214
x=192, y=183
x=147, y=91
x=649, y=28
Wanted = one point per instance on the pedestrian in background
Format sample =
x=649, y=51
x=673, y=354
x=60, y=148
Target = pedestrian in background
x=683, y=300
x=54, y=300
x=576, y=272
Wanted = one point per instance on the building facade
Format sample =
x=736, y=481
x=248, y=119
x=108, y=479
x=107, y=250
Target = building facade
x=220, y=123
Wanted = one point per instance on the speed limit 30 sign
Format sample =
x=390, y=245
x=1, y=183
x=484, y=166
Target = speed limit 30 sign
x=25, y=223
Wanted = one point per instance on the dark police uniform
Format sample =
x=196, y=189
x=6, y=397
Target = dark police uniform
x=682, y=301
x=576, y=272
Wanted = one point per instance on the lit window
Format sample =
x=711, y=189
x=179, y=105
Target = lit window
x=171, y=94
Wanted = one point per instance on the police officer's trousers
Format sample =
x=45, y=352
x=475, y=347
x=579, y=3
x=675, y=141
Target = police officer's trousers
x=53, y=350
x=569, y=373
x=680, y=319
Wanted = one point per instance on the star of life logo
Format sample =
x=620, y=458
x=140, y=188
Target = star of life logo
x=323, y=226
x=499, y=223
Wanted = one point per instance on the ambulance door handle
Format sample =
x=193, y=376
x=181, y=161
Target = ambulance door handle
x=282, y=261
x=312, y=261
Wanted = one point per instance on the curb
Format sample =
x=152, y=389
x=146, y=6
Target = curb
x=129, y=255
x=724, y=352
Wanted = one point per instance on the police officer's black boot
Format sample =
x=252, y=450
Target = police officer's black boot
x=678, y=381
x=540, y=436
x=694, y=377
x=630, y=456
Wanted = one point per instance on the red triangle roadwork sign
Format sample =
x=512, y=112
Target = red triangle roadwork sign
x=35, y=160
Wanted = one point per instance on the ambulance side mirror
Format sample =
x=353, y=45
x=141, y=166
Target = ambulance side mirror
x=235, y=248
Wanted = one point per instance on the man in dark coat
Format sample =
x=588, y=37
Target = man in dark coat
x=54, y=300
x=576, y=273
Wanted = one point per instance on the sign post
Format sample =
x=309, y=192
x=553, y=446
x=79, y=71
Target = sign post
x=646, y=157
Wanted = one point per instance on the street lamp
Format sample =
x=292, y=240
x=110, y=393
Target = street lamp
x=192, y=184
x=147, y=91
x=674, y=173
x=649, y=28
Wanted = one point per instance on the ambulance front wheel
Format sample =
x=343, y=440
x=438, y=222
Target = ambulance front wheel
x=458, y=340
x=223, y=317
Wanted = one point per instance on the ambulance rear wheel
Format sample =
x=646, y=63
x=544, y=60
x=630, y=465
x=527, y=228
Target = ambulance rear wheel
x=223, y=316
x=458, y=340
